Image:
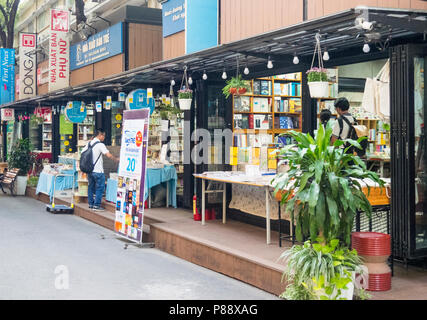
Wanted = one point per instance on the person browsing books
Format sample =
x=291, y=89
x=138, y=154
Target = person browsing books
x=97, y=177
x=341, y=129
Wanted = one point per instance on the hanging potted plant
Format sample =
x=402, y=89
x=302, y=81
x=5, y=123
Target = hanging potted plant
x=235, y=86
x=316, y=77
x=185, y=96
x=322, y=191
x=318, y=83
x=22, y=158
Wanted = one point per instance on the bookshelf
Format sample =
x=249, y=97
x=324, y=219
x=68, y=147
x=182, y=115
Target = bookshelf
x=86, y=129
x=272, y=106
x=47, y=136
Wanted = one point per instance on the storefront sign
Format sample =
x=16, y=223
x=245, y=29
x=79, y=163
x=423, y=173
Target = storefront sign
x=27, y=65
x=43, y=112
x=100, y=46
x=138, y=99
x=75, y=111
x=7, y=114
x=132, y=170
x=173, y=17
x=59, y=50
x=201, y=13
x=7, y=75
x=122, y=96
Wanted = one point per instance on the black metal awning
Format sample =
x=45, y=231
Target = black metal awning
x=343, y=33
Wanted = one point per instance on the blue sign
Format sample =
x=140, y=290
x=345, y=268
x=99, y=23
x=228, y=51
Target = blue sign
x=75, y=111
x=201, y=13
x=7, y=75
x=100, y=46
x=137, y=99
x=173, y=17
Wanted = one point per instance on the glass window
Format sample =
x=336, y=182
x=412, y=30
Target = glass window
x=42, y=21
x=420, y=144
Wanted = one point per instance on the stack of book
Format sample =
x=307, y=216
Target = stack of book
x=262, y=104
x=262, y=87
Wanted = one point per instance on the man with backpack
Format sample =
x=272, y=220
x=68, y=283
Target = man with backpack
x=91, y=162
x=344, y=127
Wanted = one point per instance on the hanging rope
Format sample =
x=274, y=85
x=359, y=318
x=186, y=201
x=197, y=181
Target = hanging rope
x=184, y=76
x=318, y=50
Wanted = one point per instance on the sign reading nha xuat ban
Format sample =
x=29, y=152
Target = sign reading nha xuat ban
x=131, y=179
x=59, y=50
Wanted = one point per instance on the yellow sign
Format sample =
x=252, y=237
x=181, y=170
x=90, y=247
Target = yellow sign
x=118, y=117
x=66, y=143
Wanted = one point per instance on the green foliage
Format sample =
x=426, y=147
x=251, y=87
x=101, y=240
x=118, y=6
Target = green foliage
x=234, y=82
x=21, y=156
x=319, y=271
x=322, y=189
x=316, y=74
x=32, y=181
x=167, y=111
x=185, y=94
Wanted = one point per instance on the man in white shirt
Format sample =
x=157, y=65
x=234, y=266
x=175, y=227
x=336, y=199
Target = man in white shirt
x=97, y=177
x=341, y=129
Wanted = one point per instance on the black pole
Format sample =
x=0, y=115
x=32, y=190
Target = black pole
x=4, y=129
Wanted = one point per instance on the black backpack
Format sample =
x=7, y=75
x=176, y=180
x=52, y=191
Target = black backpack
x=86, y=159
x=353, y=136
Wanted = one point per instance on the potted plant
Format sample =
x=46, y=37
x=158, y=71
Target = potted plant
x=322, y=189
x=235, y=86
x=318, y=82
x=185, y=96
x=321, y=271
x=22, y=158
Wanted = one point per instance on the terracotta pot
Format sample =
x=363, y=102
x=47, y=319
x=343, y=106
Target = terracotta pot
x=242, y=90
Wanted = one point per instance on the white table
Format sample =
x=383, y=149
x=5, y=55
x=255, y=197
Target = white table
x=236, y=179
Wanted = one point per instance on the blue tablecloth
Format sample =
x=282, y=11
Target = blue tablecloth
x=45, y=183
x=153, y=178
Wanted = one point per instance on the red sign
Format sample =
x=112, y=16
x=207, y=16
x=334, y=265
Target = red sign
x=59, y=51
x=59, y=20
x=29, y=40
x=138, y=139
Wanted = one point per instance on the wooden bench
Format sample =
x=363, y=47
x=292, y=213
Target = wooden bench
x=8, y=180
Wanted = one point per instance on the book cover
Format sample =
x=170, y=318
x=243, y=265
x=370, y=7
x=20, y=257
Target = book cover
x=237, y=121
x=251, y=121
x=258, y=118
x=245, y=104
x=271, y=158
x=257, y=87
x=255, y=156
x=265, y=124
x=245, y=121
x=265, y=88
x=237, y=104
x=277, y=89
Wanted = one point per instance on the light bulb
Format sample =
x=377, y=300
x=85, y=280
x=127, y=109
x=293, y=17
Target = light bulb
x=246, y=71
x=269, y=63
x=326, y=55
x=224, y=75
x=366, y=48
x=296, y=60
x=190, y=80
x=172, y=82
x=205, y=76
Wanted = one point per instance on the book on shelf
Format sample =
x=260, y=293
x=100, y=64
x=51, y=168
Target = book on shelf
x=265, y=87
x=249, y=86
x=255, y=156
x=261, y=104
x=237, y=120
x=242, y=104
x=289, y=76
x=287, y=89
x=251, y=121
x=295, y=105
x=271, y=158
x=285, y=140
x=257, y=87
x=245, y=121
x=233, y=156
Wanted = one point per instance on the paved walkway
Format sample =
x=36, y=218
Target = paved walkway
x=39, y=251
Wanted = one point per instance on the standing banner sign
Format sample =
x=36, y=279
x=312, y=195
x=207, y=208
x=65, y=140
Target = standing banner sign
x=59, y=50
x=27, y=65
x=7, y=75
x=132, y=171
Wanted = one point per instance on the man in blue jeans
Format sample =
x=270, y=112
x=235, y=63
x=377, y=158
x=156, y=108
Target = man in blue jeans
x=97, y=177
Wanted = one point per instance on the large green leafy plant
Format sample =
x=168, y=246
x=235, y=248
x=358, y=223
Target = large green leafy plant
x=323, y=189
x=21, y=156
